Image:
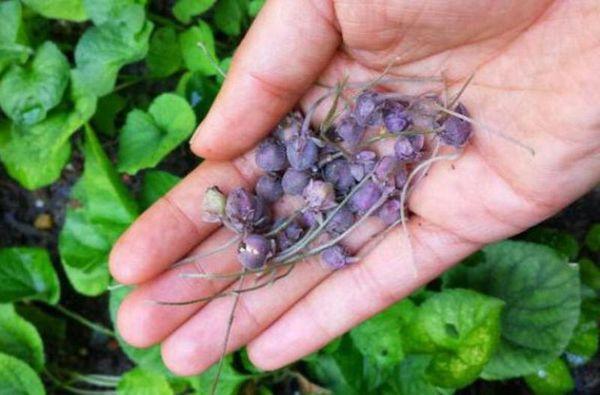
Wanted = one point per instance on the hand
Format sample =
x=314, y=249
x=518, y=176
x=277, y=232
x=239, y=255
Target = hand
x=536, y=79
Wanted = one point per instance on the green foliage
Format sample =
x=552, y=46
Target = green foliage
x=410, y=378
x=184, y=10
x=195, y=57
x=562, y=242
x=13, y=45
x=592, y=239
x=554, y=379
x=108, y=108
x=164, y=54
x=229, y=16
x=542, y=299
x=147, y=137
x=230, y=380
x=17, y=378
x=141, y=382
x=28, y=93
x=71, y=10
x=19, y=338
x=26, y=273
x=100, y=211
x=155, y=184
x=461, y=329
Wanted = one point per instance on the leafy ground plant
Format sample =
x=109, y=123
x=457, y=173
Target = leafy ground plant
x=97, y=99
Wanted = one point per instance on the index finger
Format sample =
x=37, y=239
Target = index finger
x=284, y=51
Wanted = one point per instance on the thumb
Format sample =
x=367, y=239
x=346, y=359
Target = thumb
x=286, y=48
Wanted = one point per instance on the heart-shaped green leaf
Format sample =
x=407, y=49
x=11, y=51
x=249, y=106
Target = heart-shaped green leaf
x=19, y=338
x=16, y=377
x=70, y=10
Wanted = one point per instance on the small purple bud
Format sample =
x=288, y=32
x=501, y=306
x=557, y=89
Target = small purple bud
x=269, y=188
x=385, y=170
x=335, y=257
x=254, y=250
x=319, y=195
x=270, y=156
x=341, y=221
x=302, y=152
x=367, y=109
x=309, y=219
x=365, y=197
x=455, y=131
x=389, y=212
x=287, y=237
x=294, y=181
x=244, y=210
x=401, y=177
x=395, y=117
x=338, y=173
x=350, y=131
x=362, y=164
x=409, y=148
x=289, y=127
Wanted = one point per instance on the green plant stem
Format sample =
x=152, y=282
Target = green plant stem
x=74, y=390
x=127, y=84
x=83, y=321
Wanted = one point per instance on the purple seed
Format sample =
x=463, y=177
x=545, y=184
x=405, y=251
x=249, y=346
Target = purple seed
x=244, y=210
x=365, y=197
x=289, y=127
x=385, y=170
x=335, y=257
x=294, y=181
x=409, y=148
x=338, y=173
x=270, y=156
x=362, y=164
x=269, y=188
x=302, y=152
x=350, y=131
x=395, y=117
x=287, y=237
x=367, y=111
x=309, y=219
x=254, y=250
x=401, y=177
x=319, y=195
x=389, y=212
x=341, y=221
x=455, y=131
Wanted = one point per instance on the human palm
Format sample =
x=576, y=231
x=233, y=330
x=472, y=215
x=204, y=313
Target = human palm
x=536, y=80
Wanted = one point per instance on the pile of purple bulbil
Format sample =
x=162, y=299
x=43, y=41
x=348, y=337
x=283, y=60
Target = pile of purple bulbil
x=336, y=173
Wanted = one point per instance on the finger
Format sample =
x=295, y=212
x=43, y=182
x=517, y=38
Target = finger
x=172, y=226
x=355, y=293
x=287, y=46
x=197, y=345
x=143, y=322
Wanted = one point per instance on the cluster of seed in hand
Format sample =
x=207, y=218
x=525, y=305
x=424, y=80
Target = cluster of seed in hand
x=338, y=177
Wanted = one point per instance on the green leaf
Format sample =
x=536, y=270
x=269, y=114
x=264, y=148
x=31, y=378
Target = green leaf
x=185, y=10
x=26, y=273
x=17, y=378
x=380, y=337
x=70, y=10
x=28, y=93
x=53, y=329
x=115, y=10
x=562, y=242
x=12, y=43
x=142, y=382
x=146, y=358
x=592, y=239
x=103, y=50
x=584, y=342
x=255, y=6
x=19, y=338
x=590, y=273
x=109, y=107
x=542, y=299
x=229, y=17
x=35, y=155
x=101, y=210
x=194, y=57
x=554, y=379
x=155, y=184
x=230, y=380
x=148, y=137
x=410, y=378
x=461, y=329
x=199, y=91
x=164, y=54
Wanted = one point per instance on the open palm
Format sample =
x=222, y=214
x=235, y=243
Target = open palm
x=536, y=79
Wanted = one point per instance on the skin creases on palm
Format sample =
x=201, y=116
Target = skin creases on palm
x=535, y=80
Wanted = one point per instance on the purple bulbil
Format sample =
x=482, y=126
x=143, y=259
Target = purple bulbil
x=365, y=197
x=395, y=117
x=350, y=131
x=338, y=173
x=389, y=212
x=319, y=195
x=367, y=110
x=269, y=188
x=335, y=257
x=341, y=221
x=271, y=156
x=401, y=177
x=385, y=170
x=244, y=210
x=363, y=163
x=455, y=131
x=254, y=250
x=287, y=237
x=302, y=152
x=294, y=181
x=409, y=148
x=290, y=127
